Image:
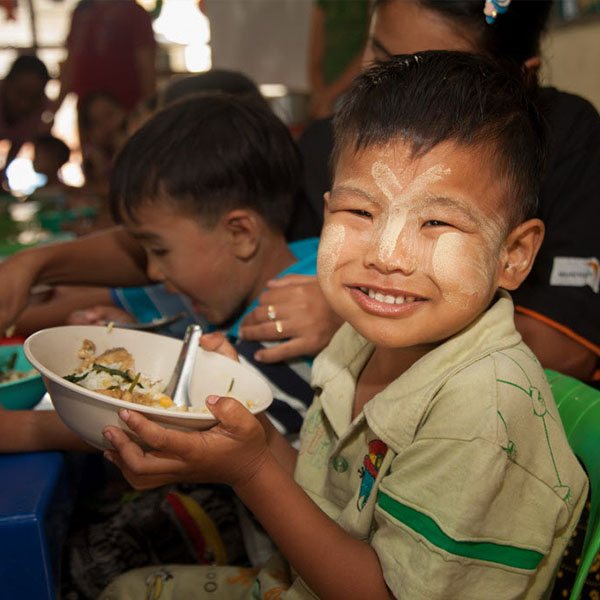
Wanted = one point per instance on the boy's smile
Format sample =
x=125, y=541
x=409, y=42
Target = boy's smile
x=411, y=250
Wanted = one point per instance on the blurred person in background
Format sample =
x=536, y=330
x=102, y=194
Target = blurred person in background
x=25, y=110
x=338, y=34
x=111, y=54
x=111, y=48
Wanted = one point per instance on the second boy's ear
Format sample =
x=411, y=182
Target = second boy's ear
x=520, y=249
x=243, y=230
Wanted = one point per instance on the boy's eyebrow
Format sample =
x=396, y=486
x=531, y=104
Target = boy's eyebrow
x=450, y=203
x=354, y=190
x=144, y=236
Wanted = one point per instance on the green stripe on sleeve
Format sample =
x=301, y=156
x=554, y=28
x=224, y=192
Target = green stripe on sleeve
x=510, y=556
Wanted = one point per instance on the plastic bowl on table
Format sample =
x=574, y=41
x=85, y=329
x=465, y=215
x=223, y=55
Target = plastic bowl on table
x=53, y=352
x=23, y=393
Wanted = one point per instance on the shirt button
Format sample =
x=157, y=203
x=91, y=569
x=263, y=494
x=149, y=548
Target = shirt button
x=340, y=464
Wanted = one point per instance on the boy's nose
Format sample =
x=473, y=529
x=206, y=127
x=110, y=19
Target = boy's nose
x=393, y=254
x=153, y=271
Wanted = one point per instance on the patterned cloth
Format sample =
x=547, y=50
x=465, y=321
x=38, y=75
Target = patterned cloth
x=115, y=529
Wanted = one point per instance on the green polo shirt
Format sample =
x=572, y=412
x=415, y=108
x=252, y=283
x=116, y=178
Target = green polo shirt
x=459, y=473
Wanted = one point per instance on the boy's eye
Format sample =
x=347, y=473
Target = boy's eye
x=360, y=213
x=157, y=251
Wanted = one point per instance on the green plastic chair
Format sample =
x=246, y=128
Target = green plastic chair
x=579, y=408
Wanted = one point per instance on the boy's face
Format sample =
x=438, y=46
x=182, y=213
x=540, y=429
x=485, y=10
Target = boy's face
x=191, y=259
x=411, y=250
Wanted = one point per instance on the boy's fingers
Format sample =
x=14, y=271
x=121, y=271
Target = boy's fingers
x=123, y=446
x=233, y=416
x=153, y=434
x=217, y=342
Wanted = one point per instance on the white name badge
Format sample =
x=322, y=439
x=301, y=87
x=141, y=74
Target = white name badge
x=576, y=272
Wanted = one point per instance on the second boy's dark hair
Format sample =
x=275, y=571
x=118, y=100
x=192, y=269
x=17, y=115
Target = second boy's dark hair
x=207, y=155
x=436, y=96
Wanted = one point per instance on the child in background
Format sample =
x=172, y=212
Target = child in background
x=206, y=186
x=433, y=463
x=50, y=154
x=25, y=110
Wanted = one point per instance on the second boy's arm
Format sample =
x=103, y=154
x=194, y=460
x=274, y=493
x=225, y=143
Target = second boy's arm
x=240, y=453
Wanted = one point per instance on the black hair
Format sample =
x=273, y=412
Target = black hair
x=215, y=80
x=435, y=96
x=514, y=35
x=28, y=64
x=55, y=146
x=206, y=155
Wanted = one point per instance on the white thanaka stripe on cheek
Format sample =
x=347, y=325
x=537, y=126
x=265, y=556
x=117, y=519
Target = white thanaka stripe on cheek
x=454, y=263
x=399, y=197
x=332, y=240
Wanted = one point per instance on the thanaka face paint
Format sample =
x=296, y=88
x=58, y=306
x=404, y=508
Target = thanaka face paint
x=332, y=239
x=411, y=246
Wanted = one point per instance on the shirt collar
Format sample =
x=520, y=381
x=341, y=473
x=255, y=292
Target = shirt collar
x=340, y=364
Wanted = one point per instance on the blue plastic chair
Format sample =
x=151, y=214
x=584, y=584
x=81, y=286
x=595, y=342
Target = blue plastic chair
x=579, y=408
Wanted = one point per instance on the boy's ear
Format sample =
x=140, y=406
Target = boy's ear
x=243, y=230
x=520, y=249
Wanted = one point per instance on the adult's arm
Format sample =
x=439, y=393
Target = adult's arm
x=556, y=350
x=37, y=431
x=557, y=305
x=109, y=258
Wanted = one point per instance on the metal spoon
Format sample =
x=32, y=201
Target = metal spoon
x=178, y=387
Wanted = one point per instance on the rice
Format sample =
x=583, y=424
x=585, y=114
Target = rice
x=113, y=374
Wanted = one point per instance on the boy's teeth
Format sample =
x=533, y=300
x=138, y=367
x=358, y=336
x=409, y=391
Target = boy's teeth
x=387, y=298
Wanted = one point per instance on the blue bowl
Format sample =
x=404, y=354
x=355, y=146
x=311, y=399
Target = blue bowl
x=24, y=393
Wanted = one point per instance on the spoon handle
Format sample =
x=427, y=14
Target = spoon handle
x=178, y=386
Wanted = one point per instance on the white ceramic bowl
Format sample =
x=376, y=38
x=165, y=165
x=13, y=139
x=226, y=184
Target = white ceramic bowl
x=53, y=352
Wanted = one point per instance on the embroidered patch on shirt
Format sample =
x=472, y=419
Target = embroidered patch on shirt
x=576, y=272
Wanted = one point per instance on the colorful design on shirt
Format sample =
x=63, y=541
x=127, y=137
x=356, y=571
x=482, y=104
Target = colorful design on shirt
x=368, y=472
x=154, y=583
x=540, y=410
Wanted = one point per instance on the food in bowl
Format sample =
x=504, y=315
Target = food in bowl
x=21, y=386
x=113, y=374
x=8, y=373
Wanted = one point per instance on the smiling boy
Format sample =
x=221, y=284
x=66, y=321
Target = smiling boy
x=433, y=463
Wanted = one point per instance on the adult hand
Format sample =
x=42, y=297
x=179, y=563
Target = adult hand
x=291, y=309
x=17, y=276
x=231, y=452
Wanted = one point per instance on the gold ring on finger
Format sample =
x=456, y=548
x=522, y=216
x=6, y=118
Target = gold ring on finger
x=278, y=326
x=271, y=314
